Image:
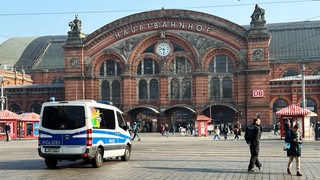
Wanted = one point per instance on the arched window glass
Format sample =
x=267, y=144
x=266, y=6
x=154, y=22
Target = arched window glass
x=15, y=108
x=116, y=91
x=317, y=72
x=279, y=104
x=143, y=89
x=221, y=64
x=148, y=66
x=154, y=89
x=227, y=87
x=215, y=87
x=110, y=68
x=186, y=88
x=180, y=65
x=175, y=88
x=105, y=91
x=35, y=107
x=290, y=72
x=57, y=81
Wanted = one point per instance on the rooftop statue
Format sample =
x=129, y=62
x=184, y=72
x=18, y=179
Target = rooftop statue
x=75, y=25
x=258, y=14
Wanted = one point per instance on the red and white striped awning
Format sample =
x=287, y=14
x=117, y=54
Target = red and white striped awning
x=30, y=116
x=6, y=115
x=293, y=110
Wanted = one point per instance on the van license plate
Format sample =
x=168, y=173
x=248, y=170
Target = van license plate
x=52, y=149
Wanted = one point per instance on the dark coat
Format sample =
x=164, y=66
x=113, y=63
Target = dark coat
x=295, y=147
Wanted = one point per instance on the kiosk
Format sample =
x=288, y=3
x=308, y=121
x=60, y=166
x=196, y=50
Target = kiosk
x=201, y=125
x=10, y=118
x=29, y=125
x=295, y=115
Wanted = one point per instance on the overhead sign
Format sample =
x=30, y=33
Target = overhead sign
x=257, y=93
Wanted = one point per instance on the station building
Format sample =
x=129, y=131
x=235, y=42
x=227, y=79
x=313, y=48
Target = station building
x=170, y=65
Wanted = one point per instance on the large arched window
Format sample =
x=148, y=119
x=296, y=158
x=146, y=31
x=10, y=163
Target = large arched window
x=290, y=72
x=15, y=108
x=105, y=91
x=35, y=107
x=110, y=75
x=186, y=88
x=227, y=87
x=154, y=89
x=215, y=87
x=110, y=68
x=221, y=68
x=180, y=65
x=279, y=104
x=175, y=88
x=317, y=72
x=221, y=64
x=116, y=89
x=148, y=66
x=143, y=89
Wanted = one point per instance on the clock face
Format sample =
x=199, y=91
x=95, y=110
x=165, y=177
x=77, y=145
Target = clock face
x=163, y=49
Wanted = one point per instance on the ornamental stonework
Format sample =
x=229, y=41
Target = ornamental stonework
x=257, y=55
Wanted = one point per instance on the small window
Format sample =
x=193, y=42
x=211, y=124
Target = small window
x=107, y=119
x=121, y=121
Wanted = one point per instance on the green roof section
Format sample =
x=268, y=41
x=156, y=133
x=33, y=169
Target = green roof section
x=12, y=49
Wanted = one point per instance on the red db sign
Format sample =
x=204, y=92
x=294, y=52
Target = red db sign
x=257, y=93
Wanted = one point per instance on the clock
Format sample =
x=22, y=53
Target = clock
x=163, y=49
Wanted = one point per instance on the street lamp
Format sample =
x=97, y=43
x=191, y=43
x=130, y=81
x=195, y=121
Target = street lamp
x=2, y=98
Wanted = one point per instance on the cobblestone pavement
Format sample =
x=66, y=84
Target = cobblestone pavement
x=159, y=157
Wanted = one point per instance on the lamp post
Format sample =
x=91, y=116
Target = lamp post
x=2, y=98
x=303, y=87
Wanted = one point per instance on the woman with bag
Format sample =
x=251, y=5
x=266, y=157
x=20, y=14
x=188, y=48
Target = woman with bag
x=294, y=151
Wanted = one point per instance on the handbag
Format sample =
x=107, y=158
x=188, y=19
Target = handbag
x=286, y=146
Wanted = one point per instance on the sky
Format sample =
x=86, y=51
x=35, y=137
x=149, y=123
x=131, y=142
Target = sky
x=29, y=18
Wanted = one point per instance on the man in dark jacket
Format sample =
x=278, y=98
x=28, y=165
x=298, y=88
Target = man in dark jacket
x=7, y=131
x=294, y=152
x=254, y=131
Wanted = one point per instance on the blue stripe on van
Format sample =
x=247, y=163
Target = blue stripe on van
x=50, y=139
x=79, y=138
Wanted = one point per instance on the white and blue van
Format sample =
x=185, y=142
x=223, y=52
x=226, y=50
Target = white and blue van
x=82, y=129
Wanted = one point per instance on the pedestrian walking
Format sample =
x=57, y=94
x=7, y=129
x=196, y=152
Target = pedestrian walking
x=237, y=130
x=7, y=131
x=294, y=152
x=216, y=133
x=166, y=130
x=135, y=131
x=225, y=131
x=252, y=137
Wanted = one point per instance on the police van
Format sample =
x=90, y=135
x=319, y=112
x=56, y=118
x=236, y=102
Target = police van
x=82, y=129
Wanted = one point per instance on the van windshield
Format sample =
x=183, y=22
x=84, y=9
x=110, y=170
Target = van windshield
x=63, y=117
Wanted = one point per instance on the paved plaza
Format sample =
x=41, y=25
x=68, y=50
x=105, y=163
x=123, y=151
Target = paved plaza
x=159, y=157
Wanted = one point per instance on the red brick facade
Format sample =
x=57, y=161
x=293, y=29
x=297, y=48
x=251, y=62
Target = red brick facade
x=198, y=39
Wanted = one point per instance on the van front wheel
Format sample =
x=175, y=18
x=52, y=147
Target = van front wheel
x=51, y=162
x=98, y=159
x=127, y=153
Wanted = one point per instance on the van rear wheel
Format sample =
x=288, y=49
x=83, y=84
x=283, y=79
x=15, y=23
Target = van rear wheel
x=51, y=162
x=127, y=153
x=98, y=159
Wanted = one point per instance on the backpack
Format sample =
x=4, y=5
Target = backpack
x=250, y=134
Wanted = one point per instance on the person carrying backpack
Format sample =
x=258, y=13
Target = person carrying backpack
x=252, y=137
x=294, y=152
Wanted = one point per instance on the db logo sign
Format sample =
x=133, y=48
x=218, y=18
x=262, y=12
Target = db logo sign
x=257, y=93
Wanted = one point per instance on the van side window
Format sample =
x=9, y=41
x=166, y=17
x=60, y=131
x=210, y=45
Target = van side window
x=107, y=119
x=121, y=121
